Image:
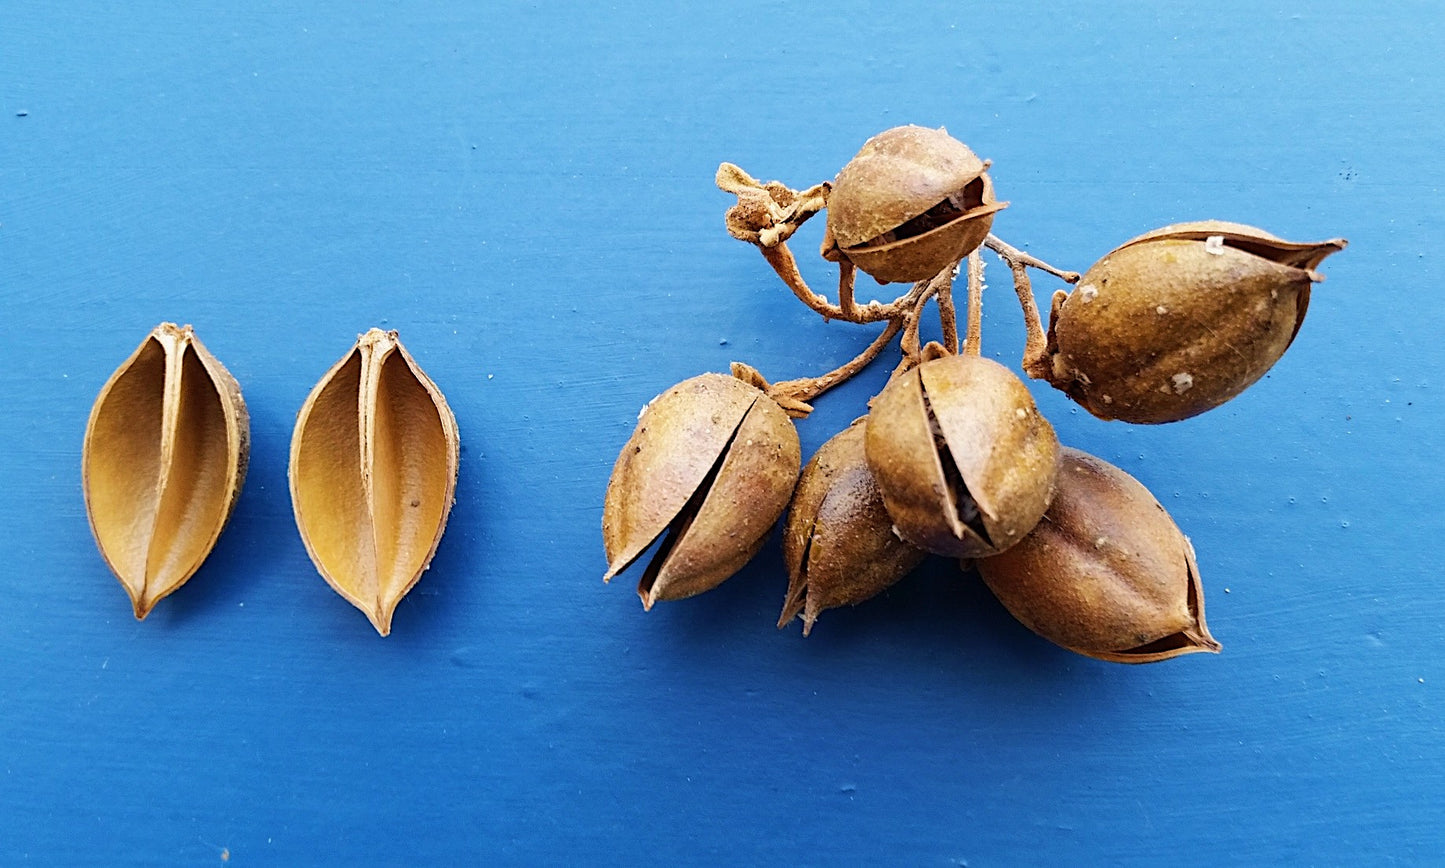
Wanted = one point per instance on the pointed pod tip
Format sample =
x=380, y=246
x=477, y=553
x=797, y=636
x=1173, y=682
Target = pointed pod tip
x=648, y=599
x=381, y=621
x=795, y=602
x=1318, y=253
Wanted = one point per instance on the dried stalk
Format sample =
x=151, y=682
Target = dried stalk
x=1035, y=361
x=973, y=342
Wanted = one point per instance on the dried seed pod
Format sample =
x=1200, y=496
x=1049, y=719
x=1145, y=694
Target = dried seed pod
x=1107, y=573
x=909, y=203
x=965, y=461
x=712, y=462
x=1181, y=319
x=164, y=458
x=373, y=474
x=838, y=541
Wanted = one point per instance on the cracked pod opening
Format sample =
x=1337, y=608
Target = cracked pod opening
x=921, y=246
x=681, y=523
x=953, y=207
x=962, y=509
x=838, y=541
x=707, y=471
x=965, y=462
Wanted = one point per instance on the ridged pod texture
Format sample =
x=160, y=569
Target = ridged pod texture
x=912, y=201
x=838, y=541
x=1107, y=573
x=1181, y=319
x=962, y=456
x=164, y=459
x=712, y=464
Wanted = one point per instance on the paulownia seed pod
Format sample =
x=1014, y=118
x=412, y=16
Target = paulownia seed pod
x=1107, y=573
x=965, y=461
x=373, y=474
x=1181, y=319
x=712, y=463
x=909, y=203
x=164, y=458
x=838, y=541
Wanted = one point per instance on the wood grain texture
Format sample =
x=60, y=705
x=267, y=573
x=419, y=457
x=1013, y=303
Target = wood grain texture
x=525, y=193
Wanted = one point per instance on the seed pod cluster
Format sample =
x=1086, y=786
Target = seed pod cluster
x=954, y=457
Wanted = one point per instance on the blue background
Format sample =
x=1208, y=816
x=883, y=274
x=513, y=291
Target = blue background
x=525, y=192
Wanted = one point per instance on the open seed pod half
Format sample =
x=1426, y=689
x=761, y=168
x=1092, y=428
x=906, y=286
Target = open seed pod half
x=838, y=541
x=963, y=458
x=712, y=463
x=1181, y=319
x=909, y=203
x=373, y=474
x=163, y=462
x=1107, y=573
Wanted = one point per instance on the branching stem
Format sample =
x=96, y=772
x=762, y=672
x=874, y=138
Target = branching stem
x=807, y=389
x=784, y=263
x=1036, y=357
x=767, y=215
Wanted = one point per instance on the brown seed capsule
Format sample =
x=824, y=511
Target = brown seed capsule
x=712, y=462
x=838, y=541
x=1181, y=319
x=909, y=203
x=1107, y=573
x=373, y=474
x=164, y=458
x=965, y=461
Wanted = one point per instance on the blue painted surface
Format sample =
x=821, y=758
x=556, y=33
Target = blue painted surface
x=524, y=191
